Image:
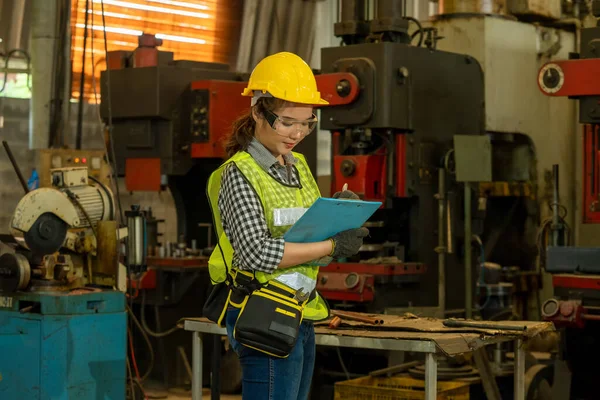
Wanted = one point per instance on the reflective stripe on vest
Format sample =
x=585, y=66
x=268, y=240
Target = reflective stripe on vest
x=283, y=205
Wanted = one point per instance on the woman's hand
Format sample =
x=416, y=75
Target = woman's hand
x=347, y=243
x=346, y=194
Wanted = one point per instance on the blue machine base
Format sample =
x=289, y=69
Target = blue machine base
x=66, y=347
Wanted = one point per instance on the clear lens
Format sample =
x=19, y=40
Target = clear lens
x=289, y=127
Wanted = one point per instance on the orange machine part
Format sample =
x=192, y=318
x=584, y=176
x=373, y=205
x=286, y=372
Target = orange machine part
x=145, y=57
x=338, y=88
x=580, y=78
x=142, y=174
x=368, y=179
x=117, y=59
x=226, y=104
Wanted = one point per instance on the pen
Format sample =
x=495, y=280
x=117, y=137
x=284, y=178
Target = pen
x=345, y=187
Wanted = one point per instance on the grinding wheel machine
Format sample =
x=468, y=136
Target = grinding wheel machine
x=63, y=320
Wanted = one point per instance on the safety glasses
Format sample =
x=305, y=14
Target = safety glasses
x=286, y=126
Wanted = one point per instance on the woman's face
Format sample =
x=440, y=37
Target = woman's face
x=282, y=129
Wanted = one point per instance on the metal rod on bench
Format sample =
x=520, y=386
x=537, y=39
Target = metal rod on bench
x=197, y=366
x=430, y=377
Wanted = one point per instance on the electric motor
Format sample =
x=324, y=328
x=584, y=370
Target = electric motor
x=44, y=216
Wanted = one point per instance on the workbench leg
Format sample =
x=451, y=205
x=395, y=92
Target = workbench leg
x=215, y=381
x=519, y=370
x=197, y=366
x=430, y=377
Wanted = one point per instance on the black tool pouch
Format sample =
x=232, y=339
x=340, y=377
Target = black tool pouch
x=269, y=322
x=216, y=305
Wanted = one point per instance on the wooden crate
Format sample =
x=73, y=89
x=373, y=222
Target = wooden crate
x=397, y=388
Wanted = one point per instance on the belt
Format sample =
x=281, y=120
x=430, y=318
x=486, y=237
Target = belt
x=245, y=283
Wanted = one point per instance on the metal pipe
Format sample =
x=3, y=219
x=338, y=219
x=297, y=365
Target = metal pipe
x=454, y=323
x=519, y=378
x=356, y=317
x=42, y=44
x=468, y=279
x=430, y=377
x=197, y=366
x=79, y=132
x=353, y=10
x=66, y=105
x=441, y=248
x=16, y=25
x=449, y=244
x=390, y=9
x=555, y=209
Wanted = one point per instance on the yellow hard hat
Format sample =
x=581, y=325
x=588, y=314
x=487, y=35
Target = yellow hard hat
x=284, y=76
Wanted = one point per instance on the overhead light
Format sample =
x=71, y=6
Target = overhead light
x=180, y=38
x=181, y=4
x=122, y=31
x=113, y=14
x=153, y=8
x=134, y=32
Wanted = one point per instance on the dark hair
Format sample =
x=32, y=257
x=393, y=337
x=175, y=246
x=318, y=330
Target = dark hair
x=242, y=130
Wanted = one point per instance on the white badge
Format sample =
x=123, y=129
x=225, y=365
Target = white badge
x=287, y=216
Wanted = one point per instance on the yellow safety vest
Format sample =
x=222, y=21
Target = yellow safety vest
x=280, y=204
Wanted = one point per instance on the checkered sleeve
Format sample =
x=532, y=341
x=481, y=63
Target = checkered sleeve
x=245, y=225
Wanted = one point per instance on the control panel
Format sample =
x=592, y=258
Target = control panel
x=199, y=116
x=94, y=160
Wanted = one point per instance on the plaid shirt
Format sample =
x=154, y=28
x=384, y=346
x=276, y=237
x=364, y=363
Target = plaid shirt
x=242, y=214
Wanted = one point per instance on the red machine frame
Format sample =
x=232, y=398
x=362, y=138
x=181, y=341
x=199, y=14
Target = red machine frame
x=352, y=282
x=578, y=78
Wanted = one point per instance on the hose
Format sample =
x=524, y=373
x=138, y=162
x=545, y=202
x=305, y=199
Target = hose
x=145, y=325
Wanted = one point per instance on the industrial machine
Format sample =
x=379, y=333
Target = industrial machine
x=169, y=133
x=57, y=291
x=395, y=144
x=575, y=306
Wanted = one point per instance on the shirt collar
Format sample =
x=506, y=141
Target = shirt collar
x=263, y=156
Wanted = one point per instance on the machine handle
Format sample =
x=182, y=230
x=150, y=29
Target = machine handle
x=15, y=166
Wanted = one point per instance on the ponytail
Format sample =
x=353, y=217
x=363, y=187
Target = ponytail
x=242, y=130
x=242, y=133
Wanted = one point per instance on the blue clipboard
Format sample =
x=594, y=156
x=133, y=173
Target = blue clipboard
x=327, y=217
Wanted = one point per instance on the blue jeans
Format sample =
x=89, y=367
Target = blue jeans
x=272, y=378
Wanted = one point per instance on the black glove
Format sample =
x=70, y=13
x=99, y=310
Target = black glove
x=347, y=243
x=346, y=194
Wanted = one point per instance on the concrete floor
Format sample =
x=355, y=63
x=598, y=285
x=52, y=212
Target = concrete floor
x=205, y=395
x=183, y=395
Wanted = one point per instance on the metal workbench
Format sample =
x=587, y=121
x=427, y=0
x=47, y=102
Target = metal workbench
x=427, y=346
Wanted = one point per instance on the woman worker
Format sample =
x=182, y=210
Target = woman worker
x=256, y=196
